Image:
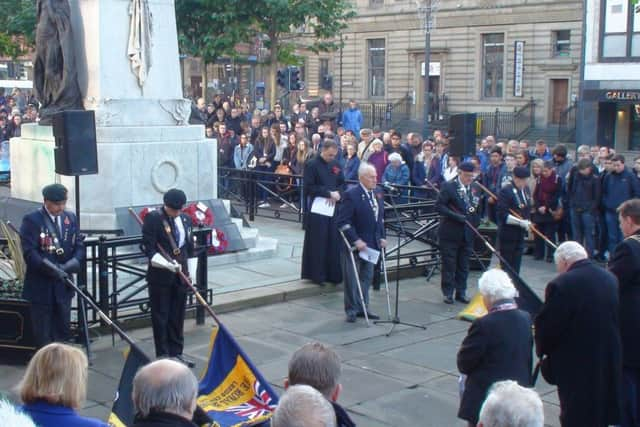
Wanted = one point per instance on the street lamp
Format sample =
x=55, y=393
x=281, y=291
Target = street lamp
x=427, y=13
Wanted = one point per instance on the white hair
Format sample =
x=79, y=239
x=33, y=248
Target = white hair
x=395, y=157
x=11, y=416
x=303, y=406
x=511, y=405
x=495, y=284
x=364, y=168
x=570, y=252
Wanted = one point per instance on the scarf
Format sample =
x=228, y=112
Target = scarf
x=546, y=190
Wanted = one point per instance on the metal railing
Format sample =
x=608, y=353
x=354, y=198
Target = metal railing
x=507, y=124
x=384, y=114
x=567, y=124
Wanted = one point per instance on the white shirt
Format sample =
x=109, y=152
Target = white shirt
x=180, y=227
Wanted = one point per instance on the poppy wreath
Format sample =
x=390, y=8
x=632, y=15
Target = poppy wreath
x=143, y=213
x=205, y=218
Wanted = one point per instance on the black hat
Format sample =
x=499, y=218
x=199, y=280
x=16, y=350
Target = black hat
x=521, y=172
x=55, y=192
x=174, y=198
x=466, y=166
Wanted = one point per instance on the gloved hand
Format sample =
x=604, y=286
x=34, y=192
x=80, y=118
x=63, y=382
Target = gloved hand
x=192, y=264
x=176, y=266
x=55, y=270
x=159, y=261
x=525, y=224
x=71, y=266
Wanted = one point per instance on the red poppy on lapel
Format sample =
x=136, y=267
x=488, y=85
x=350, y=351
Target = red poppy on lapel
x=66, y=220
x=335, y=170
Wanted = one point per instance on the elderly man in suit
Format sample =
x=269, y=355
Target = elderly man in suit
x=52, y=248
x=361, y=220
x=577, y=332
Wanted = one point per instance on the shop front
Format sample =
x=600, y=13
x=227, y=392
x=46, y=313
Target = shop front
x=616, y=114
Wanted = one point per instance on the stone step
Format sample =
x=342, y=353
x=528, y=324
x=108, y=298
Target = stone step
x=265, y=247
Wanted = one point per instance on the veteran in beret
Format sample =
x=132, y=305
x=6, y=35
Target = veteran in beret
x=170, y=228
x=50, y=233
x=458, y=205
x=512, y=213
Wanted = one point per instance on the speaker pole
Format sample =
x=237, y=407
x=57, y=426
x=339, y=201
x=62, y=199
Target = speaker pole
x=77, y=190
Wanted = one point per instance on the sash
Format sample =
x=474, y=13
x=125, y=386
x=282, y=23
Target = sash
x=172, y=241
x=53, y=231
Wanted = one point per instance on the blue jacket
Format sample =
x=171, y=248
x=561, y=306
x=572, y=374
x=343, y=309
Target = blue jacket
x=618, y=188
x=40, y=286
x=46, y=415
x=352, y=120
x=356, y=218
x=419, y=173
x=351, y=168
x=397, y=176
x=242, y=155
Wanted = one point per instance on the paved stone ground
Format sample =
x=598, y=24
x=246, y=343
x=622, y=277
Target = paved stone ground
x=407, y=378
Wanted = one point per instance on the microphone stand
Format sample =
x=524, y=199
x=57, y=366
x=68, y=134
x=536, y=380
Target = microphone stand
x=396, y=317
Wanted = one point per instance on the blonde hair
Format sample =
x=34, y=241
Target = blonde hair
x=57, y=374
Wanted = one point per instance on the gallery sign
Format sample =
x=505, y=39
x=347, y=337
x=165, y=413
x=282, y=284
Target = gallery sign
x=518, y=68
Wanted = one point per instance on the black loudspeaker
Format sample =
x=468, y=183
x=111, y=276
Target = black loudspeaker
x=462, y=135
x=17, y=343
x=76, y=152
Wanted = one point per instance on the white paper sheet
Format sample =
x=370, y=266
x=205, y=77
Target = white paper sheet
x=370, y=255
x=321, y=206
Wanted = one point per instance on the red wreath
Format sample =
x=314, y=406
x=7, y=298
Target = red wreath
x=202, y=215
x=145, y=211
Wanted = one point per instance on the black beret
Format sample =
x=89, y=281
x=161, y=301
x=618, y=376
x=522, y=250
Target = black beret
x=55, y=192
x=466, y=166
x=175, y=198
x=521, y=172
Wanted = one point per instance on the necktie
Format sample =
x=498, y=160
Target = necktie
x=176, y=232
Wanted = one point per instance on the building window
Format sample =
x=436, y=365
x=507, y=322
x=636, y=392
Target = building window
x=375, y=48
x=620, y=30
x=376, y=3
x=493, y=65
x=562, y=43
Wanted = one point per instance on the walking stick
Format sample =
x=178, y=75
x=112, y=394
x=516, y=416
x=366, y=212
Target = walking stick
x=183, y=277
x=355, y=271
x=386, y=282
x=517, y=215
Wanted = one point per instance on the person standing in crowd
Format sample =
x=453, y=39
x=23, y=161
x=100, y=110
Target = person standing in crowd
x=52, y=248
x=378, y=157
x=451, y=171
x=636, y=167
x=352, y=118
x=514, y=197
x=426, y=171
x=493, y=180
x=365, y=140
x=578, y=335
x=318, y=366
x=361, y=220
x=352, y=163
x=397, y=146
x=303, y=406
x=242, y=153
x=546, y=199
x=625, y=265
x=541, y=151
x=584, y=199
x=618, y=186
x=497, y=347
x=164, y=394
x=511, y=405
x=170, y=229
x=54, y=387
x=198, y=113
x=324, y=178
x=397, y=173
x=457, y=204
x=328, y=111
x=262, y=161
x=302, y=154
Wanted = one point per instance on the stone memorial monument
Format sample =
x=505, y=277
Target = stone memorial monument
x=128, y=72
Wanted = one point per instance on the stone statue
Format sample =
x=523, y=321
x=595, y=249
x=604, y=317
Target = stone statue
x=54, y=69
x=139, y=46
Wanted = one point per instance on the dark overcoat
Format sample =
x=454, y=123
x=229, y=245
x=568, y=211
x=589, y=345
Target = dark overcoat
x=578, y=331
x=497, y=347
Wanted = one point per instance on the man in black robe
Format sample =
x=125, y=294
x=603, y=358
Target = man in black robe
x=577, y=331
x=323, y=177
x=625, y=264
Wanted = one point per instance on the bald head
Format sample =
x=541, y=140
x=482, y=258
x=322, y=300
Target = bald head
x=165, y=386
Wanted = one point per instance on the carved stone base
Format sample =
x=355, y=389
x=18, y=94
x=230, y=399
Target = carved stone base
x=136, y=166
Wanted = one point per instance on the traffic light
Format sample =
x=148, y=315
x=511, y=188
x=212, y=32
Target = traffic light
x=294, y=79
x=283, y=78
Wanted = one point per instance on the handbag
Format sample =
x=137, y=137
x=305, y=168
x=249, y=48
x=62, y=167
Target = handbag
x=557, y=214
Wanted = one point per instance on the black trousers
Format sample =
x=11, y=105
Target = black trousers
x=548, y=229
x=511, y=251
x=167, y=317
x=455, y=267
x=51, y=322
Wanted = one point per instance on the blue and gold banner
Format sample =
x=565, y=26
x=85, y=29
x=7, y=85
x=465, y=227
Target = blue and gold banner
x=232, y=391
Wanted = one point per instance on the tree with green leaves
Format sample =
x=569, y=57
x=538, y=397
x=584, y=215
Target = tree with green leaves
x=294, y=24
x=209, y=29
x=17, y=27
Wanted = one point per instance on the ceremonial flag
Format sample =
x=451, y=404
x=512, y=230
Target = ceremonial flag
x=122, y=412
x=474, y=309
x=232, y=391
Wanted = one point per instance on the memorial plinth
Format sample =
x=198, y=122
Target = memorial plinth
x=145, y=145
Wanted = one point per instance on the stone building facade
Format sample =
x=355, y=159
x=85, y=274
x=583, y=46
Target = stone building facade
x=474, y=65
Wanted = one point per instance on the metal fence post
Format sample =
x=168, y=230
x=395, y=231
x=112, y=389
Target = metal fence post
x=495, y=123
x=202, y=284
x=103, y=277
